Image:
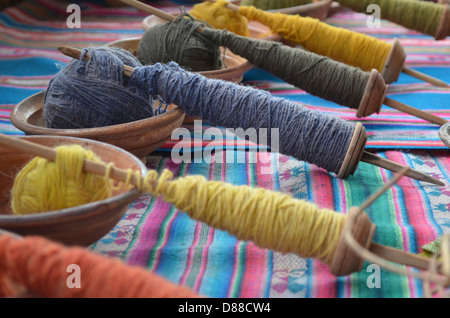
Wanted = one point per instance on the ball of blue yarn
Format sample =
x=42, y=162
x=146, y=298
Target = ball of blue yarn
x=94, y=92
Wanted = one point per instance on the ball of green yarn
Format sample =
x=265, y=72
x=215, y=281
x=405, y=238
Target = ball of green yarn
x=274, y=4
x=178, y=41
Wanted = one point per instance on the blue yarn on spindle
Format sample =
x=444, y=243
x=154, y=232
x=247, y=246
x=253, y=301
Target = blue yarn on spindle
x=94, y=92
x=303, y=133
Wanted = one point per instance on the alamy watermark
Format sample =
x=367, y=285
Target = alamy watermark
x=74, y=279
x=74, y=19
x=374, y=279
x=374, y=20
x=218, y=139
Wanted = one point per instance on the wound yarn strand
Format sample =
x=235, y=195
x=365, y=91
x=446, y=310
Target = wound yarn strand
x=219, y=17
x=304, y=134
x=316, y=74
x=420, y=16
x=40, y=266
x=73, y=99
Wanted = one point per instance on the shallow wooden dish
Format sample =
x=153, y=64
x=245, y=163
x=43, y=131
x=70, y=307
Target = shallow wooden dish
x=139, y=137
x=82, y=225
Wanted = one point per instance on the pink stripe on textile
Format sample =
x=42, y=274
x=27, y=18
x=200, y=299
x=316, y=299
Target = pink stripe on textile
x=256, y=258
x=323, y=279
x=149, y=232
x=149, y=237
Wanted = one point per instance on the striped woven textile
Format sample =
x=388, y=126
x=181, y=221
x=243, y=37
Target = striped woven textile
x=155, y=235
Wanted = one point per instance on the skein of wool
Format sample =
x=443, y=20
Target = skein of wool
x=219, y=17
x=72, y=99
x=40, y=266
x=46, y=186
x=179, y=42
x=274, y=4
x=304, y=134
x=422, y=16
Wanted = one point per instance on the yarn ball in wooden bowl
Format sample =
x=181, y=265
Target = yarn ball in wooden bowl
x=90, y=106
x=77, y=225
x=233, y=68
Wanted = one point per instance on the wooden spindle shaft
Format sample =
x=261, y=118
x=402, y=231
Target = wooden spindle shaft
x=414, y=111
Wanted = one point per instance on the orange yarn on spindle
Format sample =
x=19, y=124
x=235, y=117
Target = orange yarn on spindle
x=40, y=266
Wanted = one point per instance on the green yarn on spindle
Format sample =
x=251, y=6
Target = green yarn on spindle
x=178, y=42
x=421, y=16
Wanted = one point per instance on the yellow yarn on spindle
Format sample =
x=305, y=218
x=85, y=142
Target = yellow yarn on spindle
x=44, y=185
x=270, y=219
x=219, y=17
x=340, y=44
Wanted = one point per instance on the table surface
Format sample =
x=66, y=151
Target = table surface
x=157, y=236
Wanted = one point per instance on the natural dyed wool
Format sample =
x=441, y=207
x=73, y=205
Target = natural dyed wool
x=302, y=133
x=40, y=267
x=220, y=17
x=178, y=41
x=316, y=74
x=422, y=16
x=349, y=47
x=44, y=185
x=95, y=93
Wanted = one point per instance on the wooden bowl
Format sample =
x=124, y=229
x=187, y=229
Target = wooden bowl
x=139, y=137
x=82, y=225
x=233, y=71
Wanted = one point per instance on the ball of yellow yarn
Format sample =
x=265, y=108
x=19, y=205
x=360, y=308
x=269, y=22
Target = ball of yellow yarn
x=219, y=17
x=44, y=185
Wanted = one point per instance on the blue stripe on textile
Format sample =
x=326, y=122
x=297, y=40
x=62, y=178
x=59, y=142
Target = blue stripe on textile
x=173, y=257
x=219, y=271
x=424, y=100
x=13, y=95
x=28, y=67
x=442, y=73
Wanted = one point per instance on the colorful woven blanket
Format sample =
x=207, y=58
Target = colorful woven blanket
x=155, y=235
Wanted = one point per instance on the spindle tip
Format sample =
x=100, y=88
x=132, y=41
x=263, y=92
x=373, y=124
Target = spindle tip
x=69, y=51
x=396, y=167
